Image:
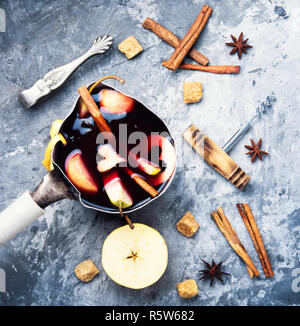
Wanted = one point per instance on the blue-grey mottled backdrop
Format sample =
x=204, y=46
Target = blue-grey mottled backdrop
x=41, y=35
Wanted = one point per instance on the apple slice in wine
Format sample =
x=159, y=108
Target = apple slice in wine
x=115, y=190
x=148, y=167
x=115, y=102
x=78, y=173
x=83, y=110
x=111, y=158
x=167, y=156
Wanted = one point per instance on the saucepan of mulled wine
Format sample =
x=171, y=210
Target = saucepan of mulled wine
x=121, y=169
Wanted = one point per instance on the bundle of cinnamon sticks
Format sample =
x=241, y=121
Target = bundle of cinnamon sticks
x=190, y=38
x=184, y=47
x=232, y=238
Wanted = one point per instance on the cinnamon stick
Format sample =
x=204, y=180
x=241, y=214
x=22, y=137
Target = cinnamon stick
x=142, y=182
x=247, y=217
x=235, y=238
x=104, y=127
x=213, y=69
x=232, y=238
x=172, y=39
x=189, y=39
x=93, y=109
x=250, y=271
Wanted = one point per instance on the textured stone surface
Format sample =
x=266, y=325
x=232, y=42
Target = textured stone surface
x=41, y=35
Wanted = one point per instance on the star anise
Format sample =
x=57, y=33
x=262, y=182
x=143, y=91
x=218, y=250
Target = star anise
x=239, y=45
x=212, y=271
x=255, y=150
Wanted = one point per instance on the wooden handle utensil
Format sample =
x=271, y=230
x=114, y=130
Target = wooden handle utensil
x=216, y=157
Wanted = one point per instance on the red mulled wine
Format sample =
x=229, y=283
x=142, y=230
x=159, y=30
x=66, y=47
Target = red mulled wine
x=126, y=117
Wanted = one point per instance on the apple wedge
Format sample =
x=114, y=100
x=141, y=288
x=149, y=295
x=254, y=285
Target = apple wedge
x=79, y=174
x=83, y=110
x=155, y=176
x=115, y=190
x=148, y=167
x=111, y=158
x=115, y=102
x=167, y=155
x=135, y=258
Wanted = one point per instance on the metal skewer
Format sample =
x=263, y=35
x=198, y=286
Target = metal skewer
x=264, y=108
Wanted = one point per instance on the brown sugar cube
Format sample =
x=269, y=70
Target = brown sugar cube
x=192, y=91
x=187, y=289
x=130, y=47
x=187, y=225
x=86, y=271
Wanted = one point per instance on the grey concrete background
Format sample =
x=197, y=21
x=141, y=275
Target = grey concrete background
x=41, y=35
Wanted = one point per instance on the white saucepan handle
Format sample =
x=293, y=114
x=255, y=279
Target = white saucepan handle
x=18, y=216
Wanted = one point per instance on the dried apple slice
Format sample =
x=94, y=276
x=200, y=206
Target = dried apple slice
x=115, y=190
x=79, y=174
x=135, y=258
